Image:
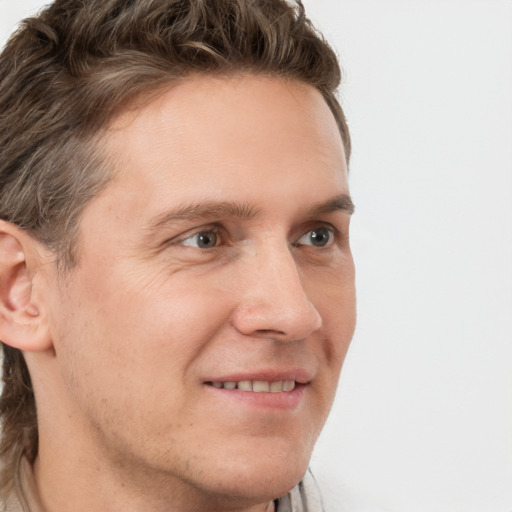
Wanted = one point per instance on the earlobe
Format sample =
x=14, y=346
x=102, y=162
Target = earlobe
x=22, y=322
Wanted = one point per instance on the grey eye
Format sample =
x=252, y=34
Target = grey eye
x=202, y=240
x=319, y=237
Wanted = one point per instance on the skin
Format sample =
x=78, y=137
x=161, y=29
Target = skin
x=128, y=339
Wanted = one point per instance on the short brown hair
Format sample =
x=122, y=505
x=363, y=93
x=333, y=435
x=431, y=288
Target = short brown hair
x=63, y=76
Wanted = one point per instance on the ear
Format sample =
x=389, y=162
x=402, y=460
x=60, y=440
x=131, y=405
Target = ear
x=22, y=321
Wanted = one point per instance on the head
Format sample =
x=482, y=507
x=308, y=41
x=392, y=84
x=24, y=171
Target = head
x=99, y=101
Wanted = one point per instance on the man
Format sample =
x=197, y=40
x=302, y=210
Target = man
x=177, y=288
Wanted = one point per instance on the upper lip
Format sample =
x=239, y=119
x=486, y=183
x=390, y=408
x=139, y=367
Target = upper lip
x=300, y=375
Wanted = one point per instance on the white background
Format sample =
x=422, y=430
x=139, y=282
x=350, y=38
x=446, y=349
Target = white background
x=423, y=418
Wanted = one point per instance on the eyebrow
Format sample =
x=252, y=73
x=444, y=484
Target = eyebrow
x=341, y=202
x=204, y=210
x=222, y=209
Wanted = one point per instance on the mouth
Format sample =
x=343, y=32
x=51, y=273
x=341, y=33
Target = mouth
x=264, y=389
x=256, y=386
x=265, y=395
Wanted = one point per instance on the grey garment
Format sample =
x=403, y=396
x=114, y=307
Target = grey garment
x=26, y=498
x=305, y=497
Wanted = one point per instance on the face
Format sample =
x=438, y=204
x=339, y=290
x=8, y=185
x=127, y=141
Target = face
x=201, y=336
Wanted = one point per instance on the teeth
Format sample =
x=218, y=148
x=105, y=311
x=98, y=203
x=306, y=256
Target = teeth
x=288, y=385
x=258, y=386
x=276, y=387
x=245, y=385
x=261, y=386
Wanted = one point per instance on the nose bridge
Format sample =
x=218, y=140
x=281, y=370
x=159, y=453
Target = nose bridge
x=275, y=301
x=278, y=264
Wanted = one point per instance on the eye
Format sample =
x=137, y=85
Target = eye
x=202, y=240
x=318, y=237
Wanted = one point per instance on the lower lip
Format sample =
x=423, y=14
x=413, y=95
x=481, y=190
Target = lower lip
x=285, y=400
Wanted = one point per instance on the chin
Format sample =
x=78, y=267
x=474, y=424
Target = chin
x=262, y=476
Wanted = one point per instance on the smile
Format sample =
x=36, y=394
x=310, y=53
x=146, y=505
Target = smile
x=256, y=386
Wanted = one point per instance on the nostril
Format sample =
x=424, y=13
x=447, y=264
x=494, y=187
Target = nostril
x=269, y=332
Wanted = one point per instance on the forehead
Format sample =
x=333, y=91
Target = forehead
x=208, y=139
x=224, y=111
x=204, y=95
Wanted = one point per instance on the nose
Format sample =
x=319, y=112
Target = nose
x=274, y=303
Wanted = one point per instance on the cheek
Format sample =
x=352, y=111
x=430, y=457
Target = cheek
x=133, y=360
x=128, y=329
x=333, y=294
x=334, y=297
